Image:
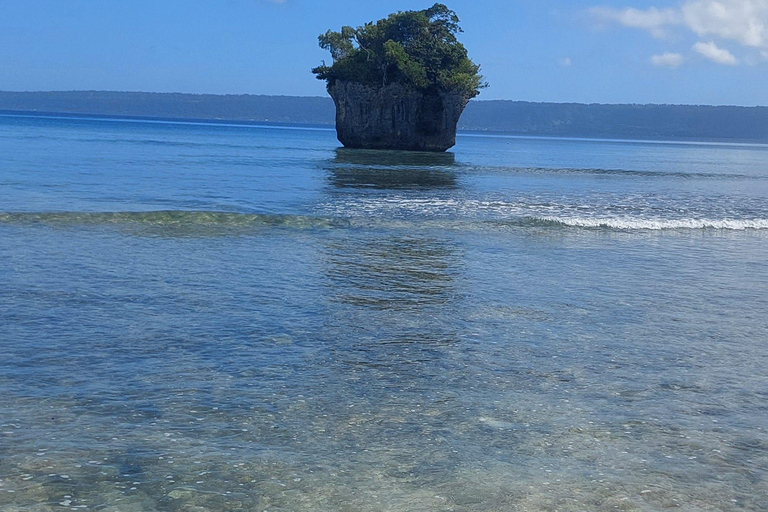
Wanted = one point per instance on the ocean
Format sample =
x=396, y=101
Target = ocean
x=201, y=317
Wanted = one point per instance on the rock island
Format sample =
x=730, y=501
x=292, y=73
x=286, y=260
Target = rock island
x=401, y=82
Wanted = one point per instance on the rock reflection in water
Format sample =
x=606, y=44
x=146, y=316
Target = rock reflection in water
x=392, y=272
x=392, y=363
x=359, y=168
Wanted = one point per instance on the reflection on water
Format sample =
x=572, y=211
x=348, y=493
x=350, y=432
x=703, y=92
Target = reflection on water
x=377, y=157
x=377, y=169
x=392, y=272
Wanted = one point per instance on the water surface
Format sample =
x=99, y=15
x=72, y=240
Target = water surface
x=208, y=317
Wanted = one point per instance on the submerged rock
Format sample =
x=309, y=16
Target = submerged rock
x=396, y=116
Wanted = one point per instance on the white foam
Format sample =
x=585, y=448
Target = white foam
x=630, y=223
x=574, y=215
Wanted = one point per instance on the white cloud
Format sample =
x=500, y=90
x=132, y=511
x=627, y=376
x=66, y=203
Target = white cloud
x=744, y=21
x=565, y=62
x=669, y=60
x=739, y=20
x=711, y=51
x=654, y=20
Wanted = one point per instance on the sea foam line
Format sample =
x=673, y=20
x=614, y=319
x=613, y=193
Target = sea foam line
x=629, y=223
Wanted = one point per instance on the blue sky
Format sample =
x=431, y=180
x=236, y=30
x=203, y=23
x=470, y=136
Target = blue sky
x=593, y=51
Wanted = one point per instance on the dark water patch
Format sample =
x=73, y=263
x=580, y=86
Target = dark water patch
x=390, y=179
x=374, y=158
x=383, y=170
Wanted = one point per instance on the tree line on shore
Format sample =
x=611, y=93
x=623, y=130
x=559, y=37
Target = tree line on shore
x=673, y=122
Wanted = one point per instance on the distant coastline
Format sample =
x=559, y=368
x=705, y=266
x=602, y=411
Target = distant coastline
x=75, y=116
x=638, y=122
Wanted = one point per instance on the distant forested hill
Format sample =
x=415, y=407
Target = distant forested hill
x=671, y=122
x=230, y=107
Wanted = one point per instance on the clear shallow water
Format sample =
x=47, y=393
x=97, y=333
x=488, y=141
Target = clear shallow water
x=198, y=317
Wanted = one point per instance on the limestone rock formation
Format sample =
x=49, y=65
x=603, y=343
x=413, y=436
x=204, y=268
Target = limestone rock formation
x=396, y=116
x=400, y=82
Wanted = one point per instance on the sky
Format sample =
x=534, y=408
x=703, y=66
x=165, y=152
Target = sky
x=587, y=51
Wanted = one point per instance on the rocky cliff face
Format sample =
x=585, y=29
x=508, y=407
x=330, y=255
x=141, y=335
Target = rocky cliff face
x=395, y=117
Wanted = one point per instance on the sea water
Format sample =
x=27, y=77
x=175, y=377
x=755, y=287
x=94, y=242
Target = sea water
x=209, y=317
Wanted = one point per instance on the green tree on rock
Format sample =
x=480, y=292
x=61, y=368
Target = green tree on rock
x=417, y=49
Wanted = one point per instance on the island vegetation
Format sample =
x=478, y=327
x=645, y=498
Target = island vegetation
x=417, y=49
x=400, y=82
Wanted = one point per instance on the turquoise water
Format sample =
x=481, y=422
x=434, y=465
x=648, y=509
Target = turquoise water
x=209, y=317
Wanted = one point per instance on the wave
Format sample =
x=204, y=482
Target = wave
x=635, y=223
x=195, y=221
x=167, y=218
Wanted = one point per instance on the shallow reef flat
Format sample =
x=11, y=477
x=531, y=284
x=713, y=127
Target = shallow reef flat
x=208, y=318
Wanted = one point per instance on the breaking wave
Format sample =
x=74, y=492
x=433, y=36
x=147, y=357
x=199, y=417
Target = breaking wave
x=631, y=224
x=230, y=222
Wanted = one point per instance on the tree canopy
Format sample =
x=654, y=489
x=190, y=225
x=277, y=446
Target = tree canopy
x=418, y=49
